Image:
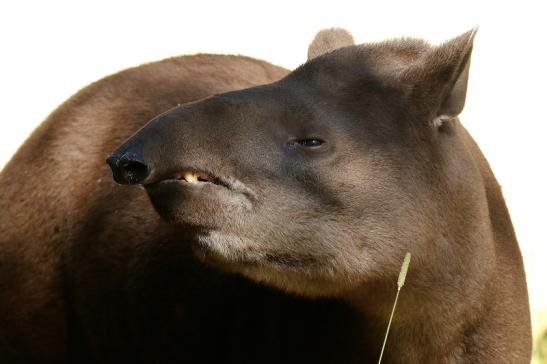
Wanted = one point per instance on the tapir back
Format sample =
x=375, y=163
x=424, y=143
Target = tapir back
x=57, y=190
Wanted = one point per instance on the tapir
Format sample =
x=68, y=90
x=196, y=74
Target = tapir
x=257, y=215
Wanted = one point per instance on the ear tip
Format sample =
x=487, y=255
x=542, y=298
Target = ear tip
x=470, y=34
x=334, y=32
x=473, y=32
x=329, y=39
x=461, y=43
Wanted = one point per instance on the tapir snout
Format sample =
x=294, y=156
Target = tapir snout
x=129, y=167
x=177, y=144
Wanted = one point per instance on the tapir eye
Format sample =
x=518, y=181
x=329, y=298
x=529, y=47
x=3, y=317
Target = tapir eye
x=310, y=142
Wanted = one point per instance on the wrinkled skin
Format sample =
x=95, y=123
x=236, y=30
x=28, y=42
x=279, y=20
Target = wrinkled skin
x=299, y=199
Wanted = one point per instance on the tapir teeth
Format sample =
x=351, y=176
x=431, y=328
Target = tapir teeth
x=195, y=177
x=191, y=177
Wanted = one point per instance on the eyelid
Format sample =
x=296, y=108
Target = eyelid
x=295, y=140
x=309, y=140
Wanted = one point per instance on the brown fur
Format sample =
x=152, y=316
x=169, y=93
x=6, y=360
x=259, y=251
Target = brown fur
x=328, y=40
x=40, y=211
x=91, y=274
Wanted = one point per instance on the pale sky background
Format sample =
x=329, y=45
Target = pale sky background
x=50, y=49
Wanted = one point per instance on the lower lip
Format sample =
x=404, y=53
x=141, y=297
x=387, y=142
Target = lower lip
x=229, y=193
x=205, y=189
x=184, y=182
x=201, y=203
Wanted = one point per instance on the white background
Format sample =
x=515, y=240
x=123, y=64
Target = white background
x=50, y=49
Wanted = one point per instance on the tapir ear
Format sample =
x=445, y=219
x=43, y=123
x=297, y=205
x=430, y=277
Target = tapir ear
x=440, y=76
x=328, y=40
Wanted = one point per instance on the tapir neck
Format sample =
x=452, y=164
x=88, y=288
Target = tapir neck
x=460, y=295
x=429, y=312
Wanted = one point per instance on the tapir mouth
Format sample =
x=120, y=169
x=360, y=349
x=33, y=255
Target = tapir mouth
x=198, y=197
x=197, y=177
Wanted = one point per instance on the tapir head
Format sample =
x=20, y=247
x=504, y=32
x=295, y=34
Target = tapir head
x=322, y=180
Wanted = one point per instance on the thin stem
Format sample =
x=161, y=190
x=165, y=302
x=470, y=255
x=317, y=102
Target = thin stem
x=389, y=324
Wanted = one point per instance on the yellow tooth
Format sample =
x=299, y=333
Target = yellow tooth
x=190, y=177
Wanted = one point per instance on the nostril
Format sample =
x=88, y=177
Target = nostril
x=113, y=161
x=132, y=171
x=128, y=168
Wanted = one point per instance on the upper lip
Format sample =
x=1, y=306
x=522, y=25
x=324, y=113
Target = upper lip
x=197, y=176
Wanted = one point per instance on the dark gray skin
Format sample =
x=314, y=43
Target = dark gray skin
x=312, y=190
x=318, y=185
